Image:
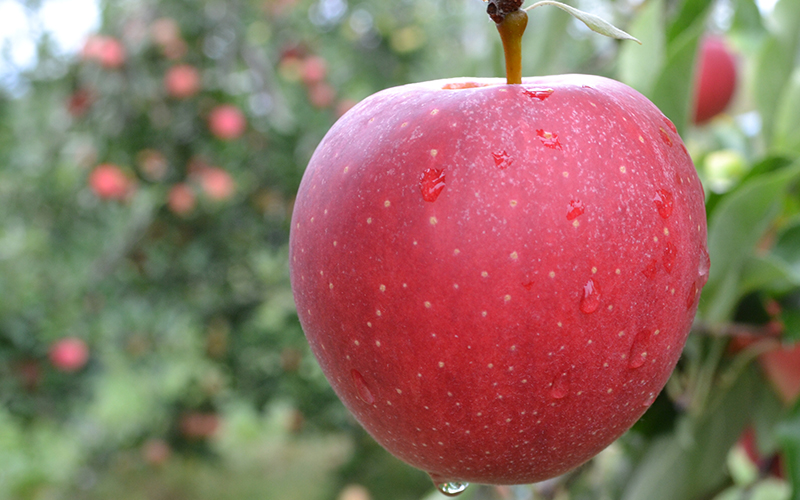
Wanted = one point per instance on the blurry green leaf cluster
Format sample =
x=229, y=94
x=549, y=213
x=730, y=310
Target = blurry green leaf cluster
x=146, y=189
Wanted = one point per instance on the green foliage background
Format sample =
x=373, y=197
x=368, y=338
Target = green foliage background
x=192, y=315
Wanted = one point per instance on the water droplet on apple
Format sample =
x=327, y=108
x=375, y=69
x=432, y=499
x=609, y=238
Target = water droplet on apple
x=651, y=398
x=590, y=299
x=575, y=209
x=361, y=386
x=663, y=201
x=560, y=388
x=651, y=270
x=501, y=159
x=540, y=94
x=638, y=352
x=452, y=488
x=670, y=253
x=665, y=136
x=431, y=184
x=549, y=139
x=670, y=125
x=704, y=267
x=692, y=296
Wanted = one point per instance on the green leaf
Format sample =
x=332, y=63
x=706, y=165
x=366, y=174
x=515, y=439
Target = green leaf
x=640, y=66
x=690, y=463
x=737, y=225
x=788, y=433
x=673, y=88
x=691, y=13
x=595, y=23
x=786, y=127
x=747, y=17
x=775, y=61
x=766, y=273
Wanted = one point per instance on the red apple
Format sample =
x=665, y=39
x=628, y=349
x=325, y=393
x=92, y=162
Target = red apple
x=199, y=425
x=782, y=368
x=106, y=50
x=314, y=70
x=227, y=122
x=216, y=183
x=109, y=182
x=181, y=199
x=497, y=280
x=69, y=354
x=182, y=81
x=321, y=95
x=716, y=79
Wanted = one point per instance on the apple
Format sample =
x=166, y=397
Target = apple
x=314, y=70
x=182, y=81
x=217, y=183
x=321, y=95
x=227, y=122
x=106, y=50
x=715, y=80
x=69, y=354
x=156, y=452
x=781, y=366
x=109, y=182
x=497, y=280
x=199, y=425
x=181, y=199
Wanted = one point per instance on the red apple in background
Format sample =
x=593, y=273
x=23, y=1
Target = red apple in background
x=182, y=81
x=321, y=95
x=199, y=425
x=217, y=183
x=716, y=79
x=314, y=70
x=227, y=122
x=497, y=280
x=109, y=182
x=69, y=354
x=782, y=368
x=181, y=199
x=106, y=50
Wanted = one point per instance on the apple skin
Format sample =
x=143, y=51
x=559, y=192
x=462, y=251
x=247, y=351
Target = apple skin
x=716, y=79
x=497, y=280
x=69, y=354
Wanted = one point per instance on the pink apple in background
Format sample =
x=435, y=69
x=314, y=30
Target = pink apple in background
x=321, y=95
x=217, y=183
x=106, y=50
x=227, y=122
x=181, y=199
x=199, y=425
x=715, y=80
x=182, y=81
x=152, y=164
x=782, y=368
x=69, y=354
x=156, y=451
x=314, y=69
x=109, y=182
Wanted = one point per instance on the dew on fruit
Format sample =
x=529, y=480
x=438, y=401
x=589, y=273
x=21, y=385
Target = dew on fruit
x=549, y=139
x=576, y=208
x=670, y=253
x=431, y=184
x=452, y=489
x=361, y=386
x=590, y=299
x=560, y=388
x=663, y=201
x=651, y=269
x=705, y=265
x=638, y=352
x=651, y=398
x=502, y=160
x=540, y=94
x=665, y=136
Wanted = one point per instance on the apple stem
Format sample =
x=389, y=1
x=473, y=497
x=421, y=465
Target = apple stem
x=511, y=29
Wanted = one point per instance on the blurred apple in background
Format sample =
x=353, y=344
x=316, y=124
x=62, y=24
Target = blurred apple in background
x=69, y=354
x=109, y=182
x=716, y=79
x=182, y=81
x=227, y=122
x=181, y=199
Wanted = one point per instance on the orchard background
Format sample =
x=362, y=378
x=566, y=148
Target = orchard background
x=149, y=346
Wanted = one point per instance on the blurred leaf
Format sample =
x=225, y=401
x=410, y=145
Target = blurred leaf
x=691, y=13
x=746, y=17
x=788, y=433
x=593, y=22
x=775, y=62
x=675, y=85
x=640, y=65
x=735, y=229
x=690, y=463
x=786, y=133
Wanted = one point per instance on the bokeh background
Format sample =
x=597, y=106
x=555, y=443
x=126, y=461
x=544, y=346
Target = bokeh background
x=150, y=151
